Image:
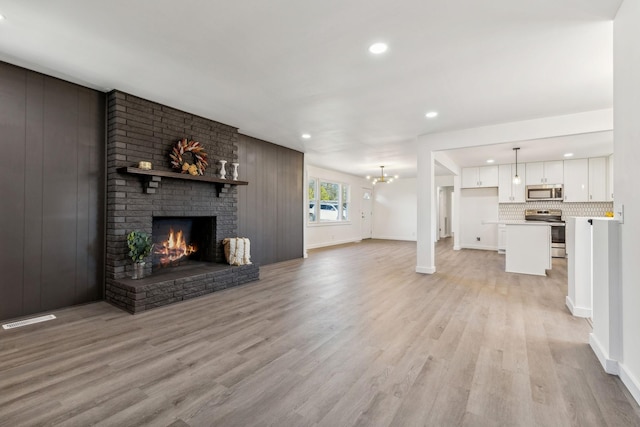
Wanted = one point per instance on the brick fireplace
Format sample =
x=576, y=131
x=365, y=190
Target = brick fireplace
x=140, y=130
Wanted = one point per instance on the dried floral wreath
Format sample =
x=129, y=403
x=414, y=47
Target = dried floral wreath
x=199, y=162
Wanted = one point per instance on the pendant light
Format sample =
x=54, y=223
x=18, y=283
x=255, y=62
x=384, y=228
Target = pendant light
x=516, y=178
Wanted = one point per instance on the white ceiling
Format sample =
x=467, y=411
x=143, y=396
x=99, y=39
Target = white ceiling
x=280, y=68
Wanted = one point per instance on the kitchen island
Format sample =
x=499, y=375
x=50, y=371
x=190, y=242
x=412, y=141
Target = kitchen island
x=528, y=247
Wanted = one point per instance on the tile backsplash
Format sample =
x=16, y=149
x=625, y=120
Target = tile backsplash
x=515, y=211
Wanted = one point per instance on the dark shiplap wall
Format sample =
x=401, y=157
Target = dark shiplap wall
x=51, y=193
x=270, y=208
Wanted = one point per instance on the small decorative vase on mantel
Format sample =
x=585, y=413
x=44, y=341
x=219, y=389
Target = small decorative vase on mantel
x=235, y=170
x=140, y=246
x=223, y=172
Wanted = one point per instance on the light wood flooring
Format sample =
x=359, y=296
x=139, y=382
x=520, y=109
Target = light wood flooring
x=351, y=336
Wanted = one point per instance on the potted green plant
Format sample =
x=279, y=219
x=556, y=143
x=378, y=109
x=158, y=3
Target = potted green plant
x=140, y=247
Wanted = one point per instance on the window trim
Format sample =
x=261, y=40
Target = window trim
x=341, y=186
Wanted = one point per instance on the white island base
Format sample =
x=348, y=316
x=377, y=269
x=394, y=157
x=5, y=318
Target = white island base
x=528, y=248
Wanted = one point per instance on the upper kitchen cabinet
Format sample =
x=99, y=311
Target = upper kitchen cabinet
x=576, y=180
x=598, y=179
x=508, y=192
x=483, y=176
x=610, y=180
x=545, y=173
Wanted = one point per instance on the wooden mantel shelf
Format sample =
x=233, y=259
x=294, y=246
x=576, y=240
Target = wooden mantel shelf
x=153, y=178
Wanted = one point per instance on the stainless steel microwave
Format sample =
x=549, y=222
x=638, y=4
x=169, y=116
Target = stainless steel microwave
x=545, y=192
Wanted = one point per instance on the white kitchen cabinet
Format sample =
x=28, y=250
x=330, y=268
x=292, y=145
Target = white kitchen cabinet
x=598, y=179
x=544, y=172
x=469, y=178
x=528, y=249
x=508, y=192
x=610, y=180
x=576, y=180
x=502, y=238
x=488, y=176
x=535, y=173
x=480, y=177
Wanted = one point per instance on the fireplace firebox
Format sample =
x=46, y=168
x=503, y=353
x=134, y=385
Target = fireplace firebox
x=181, y=240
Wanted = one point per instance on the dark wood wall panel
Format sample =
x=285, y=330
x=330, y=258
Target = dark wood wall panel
x=33, y=189
x=54, y=179
x=248, y=196
x=60, y=195
x=270, y=208
x=92, y=128
x=82, y=254
x=12, y=173
x=291, y=217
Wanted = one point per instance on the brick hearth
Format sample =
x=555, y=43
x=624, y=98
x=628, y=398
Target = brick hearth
x=178, y=285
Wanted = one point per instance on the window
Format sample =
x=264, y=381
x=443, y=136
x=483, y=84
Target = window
x=328, y=201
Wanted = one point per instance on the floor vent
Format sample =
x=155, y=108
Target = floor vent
x=26, y=322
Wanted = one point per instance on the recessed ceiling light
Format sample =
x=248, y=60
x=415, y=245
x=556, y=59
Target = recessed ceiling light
x=306, y=135
x=568, y=154
x=378, y=48
x=2, y=17
x=431, y=114
x=490, y=161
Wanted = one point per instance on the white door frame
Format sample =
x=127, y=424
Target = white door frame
x=366, y=214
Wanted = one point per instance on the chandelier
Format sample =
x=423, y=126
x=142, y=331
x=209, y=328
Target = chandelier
x=382, y=178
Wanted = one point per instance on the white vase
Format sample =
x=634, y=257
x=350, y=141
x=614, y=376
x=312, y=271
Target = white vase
x=223, y=172
x=138, y=270
x=235, y=170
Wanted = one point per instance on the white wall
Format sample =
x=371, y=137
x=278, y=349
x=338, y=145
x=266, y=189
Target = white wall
x=479, y=205
x=626, y=98
x=323, y=234
x=395, y=210
x=444, y=181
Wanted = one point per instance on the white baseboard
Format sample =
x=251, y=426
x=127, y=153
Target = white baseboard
x=456, y=248
x=425, y=270
x=481, y=247
x=610, y=366
x=402, y=238
x=615, y=368
x=630, y=381
x=577, y=311
x=569, y=304
x=332, y=243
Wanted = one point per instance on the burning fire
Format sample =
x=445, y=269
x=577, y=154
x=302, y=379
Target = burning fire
x=173, y=249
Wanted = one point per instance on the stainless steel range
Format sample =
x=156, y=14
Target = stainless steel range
x=554, y=218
